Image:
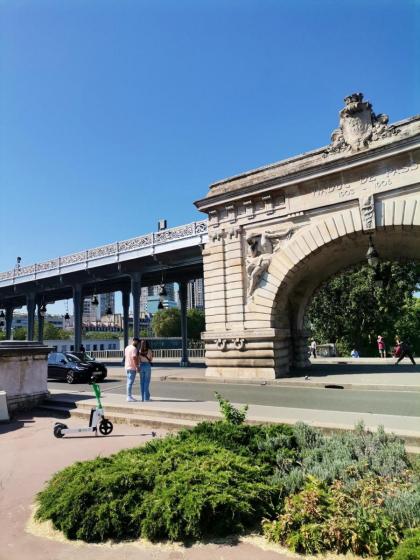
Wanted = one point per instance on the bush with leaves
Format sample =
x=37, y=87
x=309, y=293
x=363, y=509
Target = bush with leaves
x=409, y=549
x=344, y=456
x=168, y=489
x=322, y=517
x=231, y=414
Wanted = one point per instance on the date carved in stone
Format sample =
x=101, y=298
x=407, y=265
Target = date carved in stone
x=261, y=248
x=359, y=126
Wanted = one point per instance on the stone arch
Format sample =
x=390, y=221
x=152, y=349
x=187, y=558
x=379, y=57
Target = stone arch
x=318, y=251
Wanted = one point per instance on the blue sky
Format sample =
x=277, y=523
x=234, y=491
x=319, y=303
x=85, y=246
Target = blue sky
x=115, y=113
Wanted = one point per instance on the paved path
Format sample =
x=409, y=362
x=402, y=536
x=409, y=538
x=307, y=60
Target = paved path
x=405, y=403
x=30, y=455
x=368, y=373
x=407, y=427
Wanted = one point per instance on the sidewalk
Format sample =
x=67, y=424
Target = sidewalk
x=367, y=374
x=407, y=427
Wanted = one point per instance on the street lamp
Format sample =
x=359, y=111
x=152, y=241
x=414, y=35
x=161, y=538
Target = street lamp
x=372, y=254
x=2, y=317
x=94, y=301
x=43, y=310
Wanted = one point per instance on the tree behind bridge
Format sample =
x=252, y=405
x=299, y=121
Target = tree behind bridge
x=351, y=310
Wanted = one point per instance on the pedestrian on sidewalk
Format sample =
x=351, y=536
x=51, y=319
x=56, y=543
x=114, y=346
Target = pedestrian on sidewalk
x=381, y=346
x=355, y=353
x=145, y=368
x=131, y=361
x=402, y=350
x=313, y=348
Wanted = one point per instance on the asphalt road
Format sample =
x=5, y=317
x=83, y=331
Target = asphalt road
x=398, y=403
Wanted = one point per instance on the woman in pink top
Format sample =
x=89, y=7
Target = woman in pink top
x=381, y=346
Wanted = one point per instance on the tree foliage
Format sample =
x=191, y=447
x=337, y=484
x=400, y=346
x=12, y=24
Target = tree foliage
x=351, y=309
x=167, y=322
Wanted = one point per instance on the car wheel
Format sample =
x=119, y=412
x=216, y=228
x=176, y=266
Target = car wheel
x=70, y=377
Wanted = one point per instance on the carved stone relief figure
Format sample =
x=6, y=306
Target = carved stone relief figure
x=261, y=247
x=358, y=126
x=367, y=211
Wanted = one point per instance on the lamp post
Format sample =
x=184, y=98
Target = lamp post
x=372, y=257
x=372, y=254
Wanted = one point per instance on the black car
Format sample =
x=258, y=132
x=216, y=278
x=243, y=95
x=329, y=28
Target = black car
x=74, y=367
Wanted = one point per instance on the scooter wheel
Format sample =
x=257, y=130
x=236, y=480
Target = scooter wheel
x=58, y=430
x=105, y=427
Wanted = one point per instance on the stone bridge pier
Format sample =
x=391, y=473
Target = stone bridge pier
x=277, y=233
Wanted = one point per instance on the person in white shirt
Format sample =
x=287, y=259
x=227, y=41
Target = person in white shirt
x=313, y=348
x=354, y=353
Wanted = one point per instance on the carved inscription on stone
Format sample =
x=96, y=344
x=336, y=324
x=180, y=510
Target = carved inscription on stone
x=385, y=179
x=342, y=189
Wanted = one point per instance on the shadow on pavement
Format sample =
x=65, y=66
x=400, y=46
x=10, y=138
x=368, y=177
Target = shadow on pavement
x=174, y=365
x=323, y=370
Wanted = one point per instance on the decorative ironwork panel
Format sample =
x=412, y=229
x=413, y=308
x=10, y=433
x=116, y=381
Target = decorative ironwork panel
x=136, y=243
x=174, y=233
x=25, y=270
x=201, y=227
x=6, y=275
x=47, y=265
x=73, y=259
x=103, y=251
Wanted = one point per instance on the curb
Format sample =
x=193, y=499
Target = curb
x=308, y=384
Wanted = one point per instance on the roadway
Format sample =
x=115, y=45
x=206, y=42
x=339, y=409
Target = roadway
x=400, y=403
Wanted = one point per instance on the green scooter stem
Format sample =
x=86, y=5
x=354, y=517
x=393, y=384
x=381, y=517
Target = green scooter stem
x=97, y=391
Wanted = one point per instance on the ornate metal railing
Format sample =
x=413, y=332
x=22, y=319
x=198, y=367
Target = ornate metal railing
x=118, y=248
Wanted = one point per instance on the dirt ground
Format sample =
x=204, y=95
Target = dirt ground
x=30, y=454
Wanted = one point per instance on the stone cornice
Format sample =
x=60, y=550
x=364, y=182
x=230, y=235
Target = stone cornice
x=304, y=167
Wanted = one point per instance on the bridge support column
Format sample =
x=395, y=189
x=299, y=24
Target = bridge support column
x=9, y=322
x=135, y=292
x=40, y=324
x=30, y=304
x=78, y=314
x=126, y=309
x=184, y=329
x=300, y=349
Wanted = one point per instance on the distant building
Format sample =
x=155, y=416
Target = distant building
x=195, y=294
x=106, y=301
x=153, y=304
x=89, y=311
x=150, y=294
x=21, y=320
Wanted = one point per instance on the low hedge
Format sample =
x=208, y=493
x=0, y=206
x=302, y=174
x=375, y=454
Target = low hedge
x=168, y=489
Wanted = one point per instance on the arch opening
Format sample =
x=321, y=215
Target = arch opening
x=301, y=281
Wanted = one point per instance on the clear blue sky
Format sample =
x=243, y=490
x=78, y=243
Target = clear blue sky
x=114, y=113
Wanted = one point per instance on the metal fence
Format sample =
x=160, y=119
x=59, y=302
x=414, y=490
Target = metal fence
x=159, y=353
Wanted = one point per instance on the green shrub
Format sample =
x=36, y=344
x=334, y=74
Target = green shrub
x=321, y=518
x=168, y=489
x=231, y=414
x=409, y=549
x=254, y=441
x=346, y=456
x=217, y=494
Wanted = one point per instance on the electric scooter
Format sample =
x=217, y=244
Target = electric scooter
x=97, y=420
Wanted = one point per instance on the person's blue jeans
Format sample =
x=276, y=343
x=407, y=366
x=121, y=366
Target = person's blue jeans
x=131, y=376
x=145, y=375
